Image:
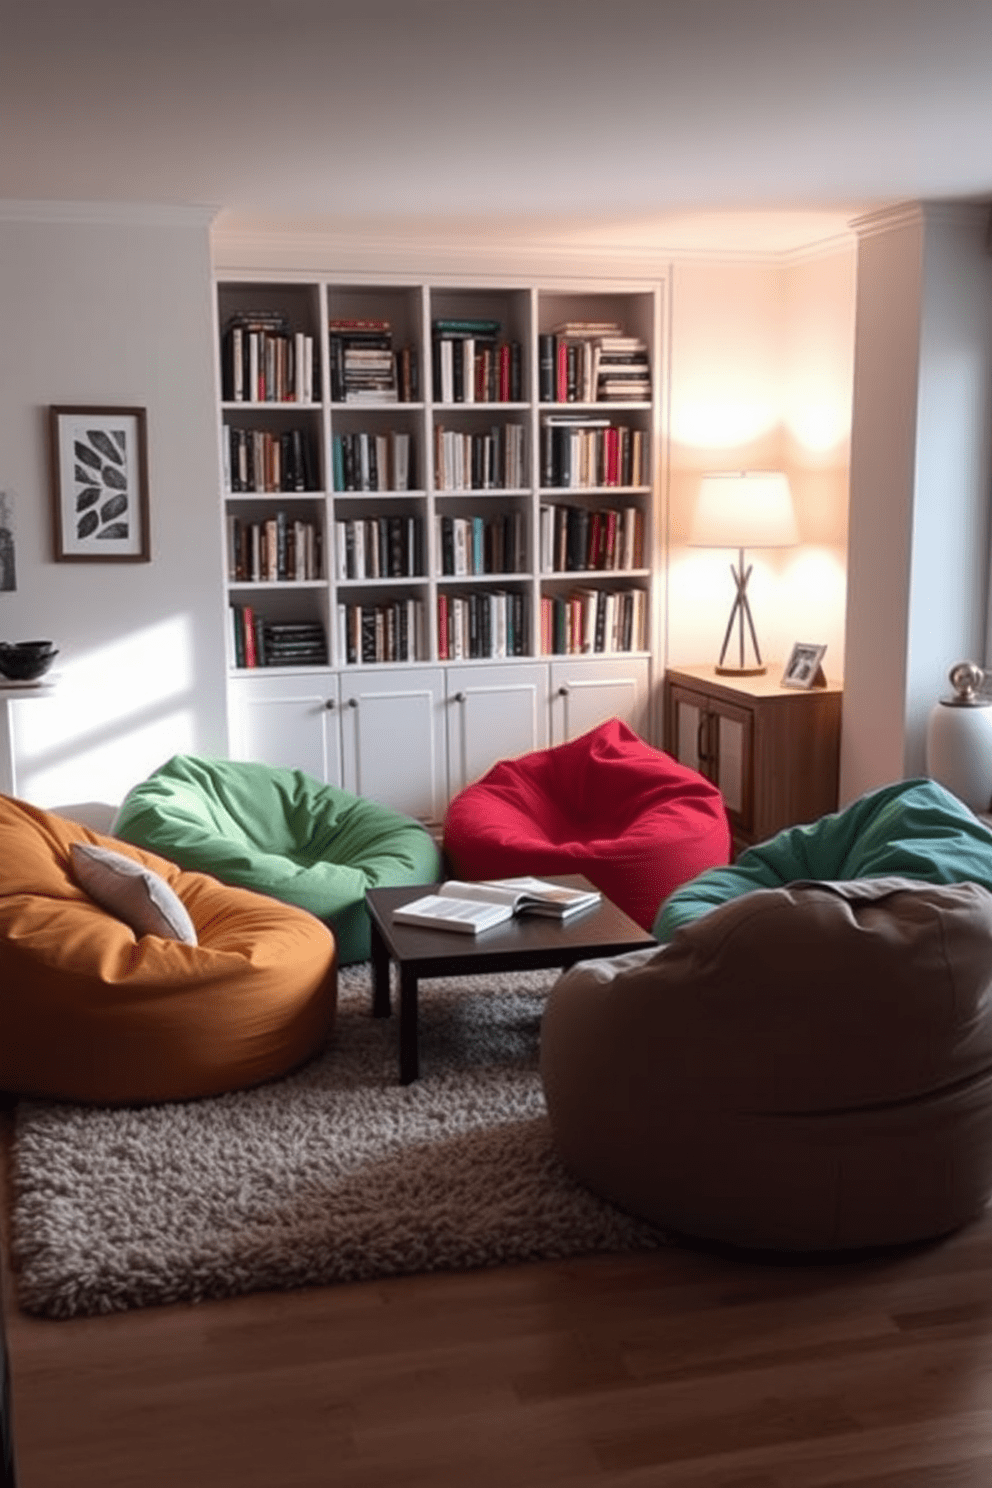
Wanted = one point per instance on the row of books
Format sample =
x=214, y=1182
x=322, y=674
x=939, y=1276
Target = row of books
x=257, y=642
x=490, y=460
x=472, y=364
x=263, y=460
x=592, y=362
x=490, y=623
x=367, y=461
x=393, y=631
x=277, y=549
x=480, y=545
x=264, y=361
x=365, y=367
x=484, y=623
x=574, y=538
x=379, y=547
x=586, y=450
x=594, y=620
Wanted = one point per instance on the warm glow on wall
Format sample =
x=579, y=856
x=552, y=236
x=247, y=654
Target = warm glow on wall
x=817, y=418
x=716, y=425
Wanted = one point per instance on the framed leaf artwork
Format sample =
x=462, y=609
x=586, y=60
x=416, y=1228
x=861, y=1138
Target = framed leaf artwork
x=100, y=485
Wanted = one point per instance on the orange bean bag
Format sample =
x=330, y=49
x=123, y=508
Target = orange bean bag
x=90, y=1012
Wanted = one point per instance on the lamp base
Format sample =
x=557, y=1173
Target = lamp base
x=741, y=612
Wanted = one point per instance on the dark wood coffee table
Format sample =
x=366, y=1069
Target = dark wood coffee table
x=526, y=943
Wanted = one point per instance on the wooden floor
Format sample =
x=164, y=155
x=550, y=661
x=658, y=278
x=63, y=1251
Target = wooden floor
x=681, y=1368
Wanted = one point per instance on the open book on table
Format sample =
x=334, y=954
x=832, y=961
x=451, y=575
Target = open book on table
x=471, y=907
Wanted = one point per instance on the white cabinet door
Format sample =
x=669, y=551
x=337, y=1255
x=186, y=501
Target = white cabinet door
x=494, y=713
x=392, y=733
x=585, y=693
x=290, y=721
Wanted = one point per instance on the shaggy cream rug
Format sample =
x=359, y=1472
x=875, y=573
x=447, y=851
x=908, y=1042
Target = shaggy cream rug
x=337, y=1173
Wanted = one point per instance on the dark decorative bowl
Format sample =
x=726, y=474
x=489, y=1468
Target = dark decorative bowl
x=26, y=661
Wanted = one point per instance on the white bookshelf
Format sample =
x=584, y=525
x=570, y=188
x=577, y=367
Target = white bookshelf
x=520, y=616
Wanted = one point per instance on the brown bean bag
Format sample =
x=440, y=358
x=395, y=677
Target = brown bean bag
x=89, y=1011
x=802, y=1068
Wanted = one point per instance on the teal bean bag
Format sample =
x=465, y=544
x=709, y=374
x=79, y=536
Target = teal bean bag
x=912, y=829
x=282, y=833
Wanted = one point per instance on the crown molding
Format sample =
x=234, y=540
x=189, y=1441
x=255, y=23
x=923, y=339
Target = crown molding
x=106, y=214
x=352, y=253
x=918, y=214
x=307, y=251
x=828, y=247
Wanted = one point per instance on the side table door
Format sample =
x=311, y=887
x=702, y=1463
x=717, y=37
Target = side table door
x=730, y=747
x=686, y=735
x=716, y=739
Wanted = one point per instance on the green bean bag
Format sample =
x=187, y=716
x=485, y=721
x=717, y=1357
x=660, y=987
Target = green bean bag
x=911, y=829
x=280, y=832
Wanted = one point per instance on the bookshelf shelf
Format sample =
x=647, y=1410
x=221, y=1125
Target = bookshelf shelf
x=404, y=407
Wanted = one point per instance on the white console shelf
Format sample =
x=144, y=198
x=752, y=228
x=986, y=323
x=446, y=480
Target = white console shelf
x=10, y=694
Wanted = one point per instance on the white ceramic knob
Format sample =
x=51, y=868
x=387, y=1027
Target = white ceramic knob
x=959, y=742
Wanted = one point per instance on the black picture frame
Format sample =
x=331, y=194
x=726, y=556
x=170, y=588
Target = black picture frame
x=100, y=484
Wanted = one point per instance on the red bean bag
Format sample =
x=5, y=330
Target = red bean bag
x=630, y=818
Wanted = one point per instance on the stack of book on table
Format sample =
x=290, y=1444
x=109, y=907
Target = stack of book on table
x=471, y=907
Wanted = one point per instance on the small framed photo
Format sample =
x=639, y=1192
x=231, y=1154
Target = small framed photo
x=100, y=485
x=803, y=668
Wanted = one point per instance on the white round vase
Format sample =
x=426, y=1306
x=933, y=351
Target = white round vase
x=959, y=741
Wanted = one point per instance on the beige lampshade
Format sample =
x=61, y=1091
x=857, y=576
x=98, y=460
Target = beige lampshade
x=744, y=509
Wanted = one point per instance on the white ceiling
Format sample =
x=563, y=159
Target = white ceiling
x=638, y=120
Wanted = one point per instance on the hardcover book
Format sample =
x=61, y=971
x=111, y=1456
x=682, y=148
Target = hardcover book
x=470, y=907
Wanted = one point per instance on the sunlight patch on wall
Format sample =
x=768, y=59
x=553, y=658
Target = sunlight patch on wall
x=119, y=710
x=130, y=673
x=107, y=770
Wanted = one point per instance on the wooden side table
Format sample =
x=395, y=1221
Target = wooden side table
x=773, y=751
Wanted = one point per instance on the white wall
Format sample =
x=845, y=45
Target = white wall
x=113, y=310
x=761, y=379
x=921, y=474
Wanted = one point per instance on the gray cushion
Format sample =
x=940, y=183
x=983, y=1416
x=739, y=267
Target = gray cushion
x=808, y=1067
x=133, y=893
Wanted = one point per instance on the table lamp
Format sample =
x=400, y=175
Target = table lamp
x=743, y=509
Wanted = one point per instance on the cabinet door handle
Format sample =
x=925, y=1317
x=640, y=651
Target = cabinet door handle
x=702, y=738
x=563, y=692
x=329, y=703
x=459, y=697
x=352, y=702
